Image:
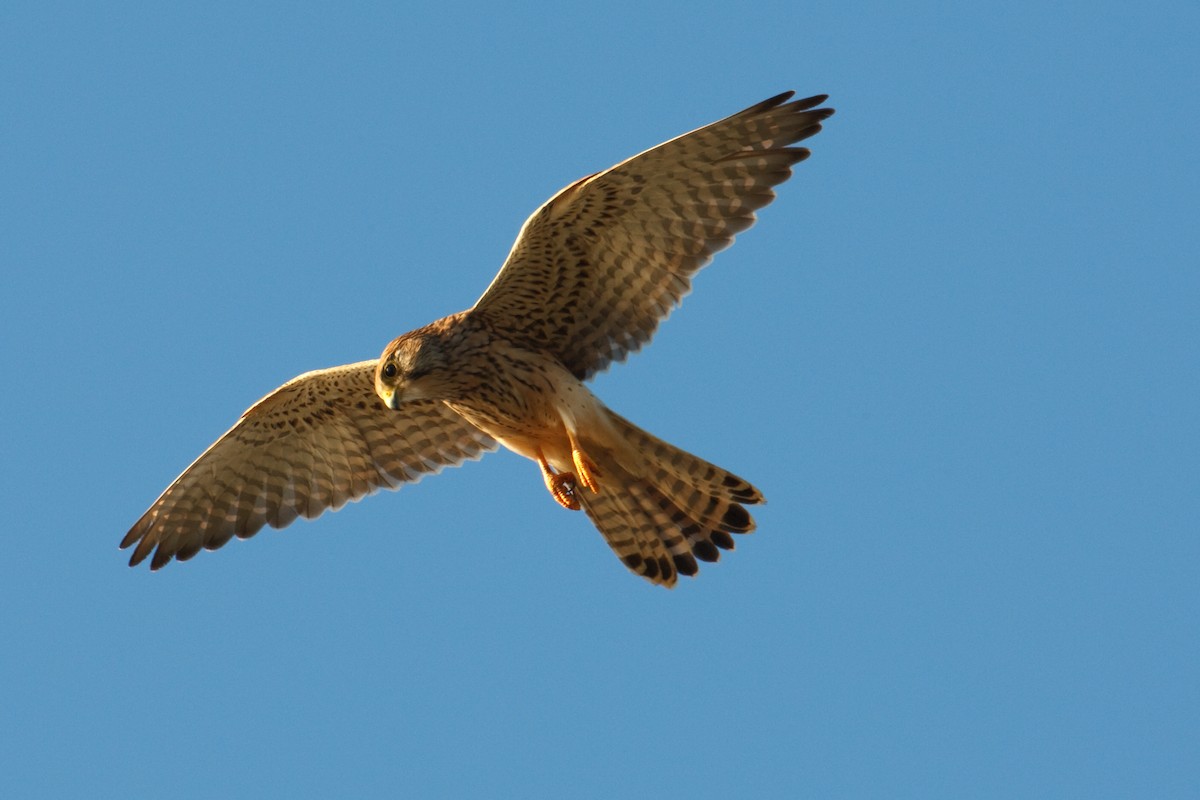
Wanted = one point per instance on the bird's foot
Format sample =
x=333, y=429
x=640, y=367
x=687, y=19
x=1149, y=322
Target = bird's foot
x=563, y=489
x=561, y=485
x=585, y=470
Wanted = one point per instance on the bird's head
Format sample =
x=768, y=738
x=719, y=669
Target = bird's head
x=411, y=368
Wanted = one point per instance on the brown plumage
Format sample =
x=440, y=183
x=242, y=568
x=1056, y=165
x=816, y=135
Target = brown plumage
x=591, y=275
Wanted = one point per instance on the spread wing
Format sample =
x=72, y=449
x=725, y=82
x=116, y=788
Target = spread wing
x=595, y=269
x=314, y=443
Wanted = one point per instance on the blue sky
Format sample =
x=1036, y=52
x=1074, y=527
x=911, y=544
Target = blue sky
x=959, y=356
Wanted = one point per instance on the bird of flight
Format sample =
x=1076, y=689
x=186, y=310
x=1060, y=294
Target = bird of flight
x=591, y=275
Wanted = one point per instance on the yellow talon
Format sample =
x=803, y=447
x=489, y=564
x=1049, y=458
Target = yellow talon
x=561, y=485
x=586, y=470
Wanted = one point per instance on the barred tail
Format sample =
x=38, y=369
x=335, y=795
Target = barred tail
x=668, y=508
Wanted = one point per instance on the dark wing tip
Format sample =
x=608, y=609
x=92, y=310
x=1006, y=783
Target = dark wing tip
x=160, y=559
x=145, y=545
x=138, y=556
x=796, y=105
x=137, y=535
x=134, y=534
x=807, y=132
x=771, y=102
x=810, y=102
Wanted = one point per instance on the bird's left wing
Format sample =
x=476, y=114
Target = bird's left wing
x=314, y=443
x=596, y=268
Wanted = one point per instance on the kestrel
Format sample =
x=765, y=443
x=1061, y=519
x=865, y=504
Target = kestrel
x=592, y=274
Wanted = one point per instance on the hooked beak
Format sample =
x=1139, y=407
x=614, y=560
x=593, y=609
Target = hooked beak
x=390, y=398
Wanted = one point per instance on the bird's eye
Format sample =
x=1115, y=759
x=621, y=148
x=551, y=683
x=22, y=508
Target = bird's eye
x=389, y=370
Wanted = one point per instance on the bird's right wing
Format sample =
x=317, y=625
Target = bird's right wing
x=314, y=443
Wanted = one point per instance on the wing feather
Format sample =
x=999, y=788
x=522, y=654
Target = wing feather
x=313, y=444
x=596, y=269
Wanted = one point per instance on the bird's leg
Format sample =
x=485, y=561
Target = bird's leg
x=561, y=485
x=585, y=471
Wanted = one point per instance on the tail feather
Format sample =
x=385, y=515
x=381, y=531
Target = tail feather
x=668, y=508
x=692, y=471
x=621, y=518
